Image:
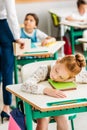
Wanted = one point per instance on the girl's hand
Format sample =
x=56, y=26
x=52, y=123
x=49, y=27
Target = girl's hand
x=54, y=93
x=48, y=40
x=20, y=42
x=44, y=42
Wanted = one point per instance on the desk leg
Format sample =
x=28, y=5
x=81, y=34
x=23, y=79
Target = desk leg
x=15, y=79
x=56, y=56
x=28, y=116
x=15, y=70
x=16, y=75
x=72, y=40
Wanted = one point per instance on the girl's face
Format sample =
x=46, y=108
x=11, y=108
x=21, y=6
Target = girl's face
x=29, y=23
x=59, y=72
x=82, y=9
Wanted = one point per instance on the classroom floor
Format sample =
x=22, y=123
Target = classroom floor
x=80, y=122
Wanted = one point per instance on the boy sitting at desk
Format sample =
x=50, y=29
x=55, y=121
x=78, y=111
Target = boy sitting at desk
x=80, y=16
x=63, y=70
x=31, y=31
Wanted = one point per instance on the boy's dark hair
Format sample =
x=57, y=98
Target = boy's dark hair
x=79, y=2
x=34, y=16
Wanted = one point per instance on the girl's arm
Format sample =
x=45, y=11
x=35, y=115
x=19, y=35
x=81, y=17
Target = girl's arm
x=31, y=84
x=70, y=18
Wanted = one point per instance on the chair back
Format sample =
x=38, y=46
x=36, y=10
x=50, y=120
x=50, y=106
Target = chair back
x=55, y=19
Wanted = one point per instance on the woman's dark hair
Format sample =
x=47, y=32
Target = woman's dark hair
x=79, y=2
x=34, y=16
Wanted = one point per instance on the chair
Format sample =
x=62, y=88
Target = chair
x=56, y=23
x=26, y=72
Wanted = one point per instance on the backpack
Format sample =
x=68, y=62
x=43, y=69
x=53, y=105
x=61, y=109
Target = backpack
x=67, y=45
x=17, y=120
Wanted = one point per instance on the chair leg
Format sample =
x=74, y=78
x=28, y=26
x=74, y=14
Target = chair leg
x=71, y=118
x=72, y=124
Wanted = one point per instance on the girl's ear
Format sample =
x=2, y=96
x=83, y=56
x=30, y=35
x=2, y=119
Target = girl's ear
x=57, y=61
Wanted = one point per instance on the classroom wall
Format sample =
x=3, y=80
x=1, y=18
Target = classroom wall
x=41, y=9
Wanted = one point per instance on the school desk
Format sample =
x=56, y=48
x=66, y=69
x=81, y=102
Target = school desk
x=41, y=54
x=39, y=106
x=76, y=30
x=39, y=101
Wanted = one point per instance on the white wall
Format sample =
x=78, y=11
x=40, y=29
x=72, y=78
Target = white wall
x=41, y=9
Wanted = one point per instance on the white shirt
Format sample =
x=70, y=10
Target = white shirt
x=76, y=15
x=8, y=11
x=39, y=34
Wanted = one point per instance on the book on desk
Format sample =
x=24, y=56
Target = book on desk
x=52, y=48
x=63, y=85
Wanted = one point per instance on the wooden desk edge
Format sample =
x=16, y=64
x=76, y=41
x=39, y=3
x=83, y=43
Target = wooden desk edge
x=36, y=54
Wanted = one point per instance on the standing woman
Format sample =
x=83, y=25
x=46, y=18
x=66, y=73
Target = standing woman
x=9, y=32
x=0, y=67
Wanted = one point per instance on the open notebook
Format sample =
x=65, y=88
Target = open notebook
x=63, y=85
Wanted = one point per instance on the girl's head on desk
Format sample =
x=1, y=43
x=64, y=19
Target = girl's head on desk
x=82, y=6
x=67, y=67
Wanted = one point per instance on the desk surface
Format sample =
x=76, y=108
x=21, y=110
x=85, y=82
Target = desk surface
x=39, y=50
x=83, y=40
x=74, y=24
x=40, y=101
